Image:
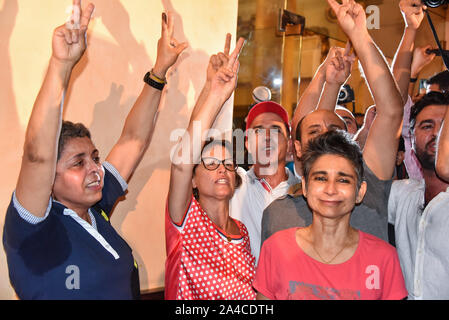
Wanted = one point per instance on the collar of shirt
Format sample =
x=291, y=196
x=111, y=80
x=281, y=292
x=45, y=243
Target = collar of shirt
x=291, y=180
x=91, y=230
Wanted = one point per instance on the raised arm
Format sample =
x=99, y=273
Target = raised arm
x=362, y=134
x=442, y=157
x=311, y=96
x=382, y=142
x=413, y=14
x=138, y=129
x=338, y=71
x=187, y=153
x=37, y=172
x=420, y=59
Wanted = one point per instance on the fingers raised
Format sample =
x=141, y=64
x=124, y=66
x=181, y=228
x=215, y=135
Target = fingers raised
x=235, y=54
x=170, y=23
x=86, y=15
x=164, y=23
x=227, y=47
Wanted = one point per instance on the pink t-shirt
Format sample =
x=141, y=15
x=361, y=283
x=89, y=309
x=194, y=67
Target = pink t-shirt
x=203, y=263
x=285, y=272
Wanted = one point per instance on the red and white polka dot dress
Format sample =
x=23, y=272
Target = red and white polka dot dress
x=209, y=264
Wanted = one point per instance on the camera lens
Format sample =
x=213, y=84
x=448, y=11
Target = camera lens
x=343, y=95
x=434, y=3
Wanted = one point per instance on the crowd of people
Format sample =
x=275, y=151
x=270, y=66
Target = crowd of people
x=348, y=222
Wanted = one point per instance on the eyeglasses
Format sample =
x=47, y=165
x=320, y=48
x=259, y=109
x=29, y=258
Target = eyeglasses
x=212, y=164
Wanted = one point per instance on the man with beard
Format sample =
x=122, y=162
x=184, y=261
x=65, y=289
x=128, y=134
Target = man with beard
x=418, y=208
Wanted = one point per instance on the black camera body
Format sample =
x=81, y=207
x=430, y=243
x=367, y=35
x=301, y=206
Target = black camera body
x=434, y=3
x=346, y=94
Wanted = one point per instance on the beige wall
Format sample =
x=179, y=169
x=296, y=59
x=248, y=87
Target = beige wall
x=104, y=85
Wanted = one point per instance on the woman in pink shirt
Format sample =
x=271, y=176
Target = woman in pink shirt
x=329, y=259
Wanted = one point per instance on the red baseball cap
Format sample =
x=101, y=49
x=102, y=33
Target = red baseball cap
x=265, y=107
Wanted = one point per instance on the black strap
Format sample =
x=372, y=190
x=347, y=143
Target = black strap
x=443, y=56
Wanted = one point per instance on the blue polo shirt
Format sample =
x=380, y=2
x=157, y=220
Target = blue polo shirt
x=61, y=256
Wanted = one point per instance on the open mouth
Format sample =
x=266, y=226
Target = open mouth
x=94, y=184
x=222, y=181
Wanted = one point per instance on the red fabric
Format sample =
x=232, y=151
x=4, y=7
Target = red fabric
x=264, y=107
x=285, y=272
x=202, y=264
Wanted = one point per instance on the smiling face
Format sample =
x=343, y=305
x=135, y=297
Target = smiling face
x=331, y=186
x=427, y=126
x=79, y=175
x=218, y=183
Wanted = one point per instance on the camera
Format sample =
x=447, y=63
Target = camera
x=346, y=94
x=434, y=3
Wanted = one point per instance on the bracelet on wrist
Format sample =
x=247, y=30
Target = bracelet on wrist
x=413, y=80
x=149, y=79
x=156, y=78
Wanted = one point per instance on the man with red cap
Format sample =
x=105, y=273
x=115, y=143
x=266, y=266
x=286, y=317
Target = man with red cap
x=267, y=141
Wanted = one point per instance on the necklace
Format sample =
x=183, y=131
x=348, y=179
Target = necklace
x=329, y=261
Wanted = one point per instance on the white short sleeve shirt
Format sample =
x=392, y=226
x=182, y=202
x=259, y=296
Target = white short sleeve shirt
x=421, y=238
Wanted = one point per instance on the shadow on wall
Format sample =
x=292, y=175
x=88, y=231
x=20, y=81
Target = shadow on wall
x=9, y=120
x=11, y=132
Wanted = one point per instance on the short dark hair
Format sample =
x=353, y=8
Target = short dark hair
x=431, y=98
x=71, y=130
x=334, y=142
x=441, y=79
x=231, y=148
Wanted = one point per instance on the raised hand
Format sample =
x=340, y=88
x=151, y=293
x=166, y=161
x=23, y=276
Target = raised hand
x=351, y=17
x=412, y=12
x=224, y=80
x=168, y=48
x=338, y=69
x=69, y=40
x=218, y=60
x=420, y=59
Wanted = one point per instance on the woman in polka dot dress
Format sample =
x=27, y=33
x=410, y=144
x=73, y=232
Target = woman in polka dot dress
x=208, y=252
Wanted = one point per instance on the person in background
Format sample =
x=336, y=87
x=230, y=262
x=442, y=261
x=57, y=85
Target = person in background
x=418, y=208
x=407, y=64
x=57, y=224
x=267, y=140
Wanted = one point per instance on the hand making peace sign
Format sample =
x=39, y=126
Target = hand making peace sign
x=69, y=40
x=351, y=17
x=224, y=81
x=168, y=48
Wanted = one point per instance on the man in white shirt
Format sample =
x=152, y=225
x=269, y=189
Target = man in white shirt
x=267, y=140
